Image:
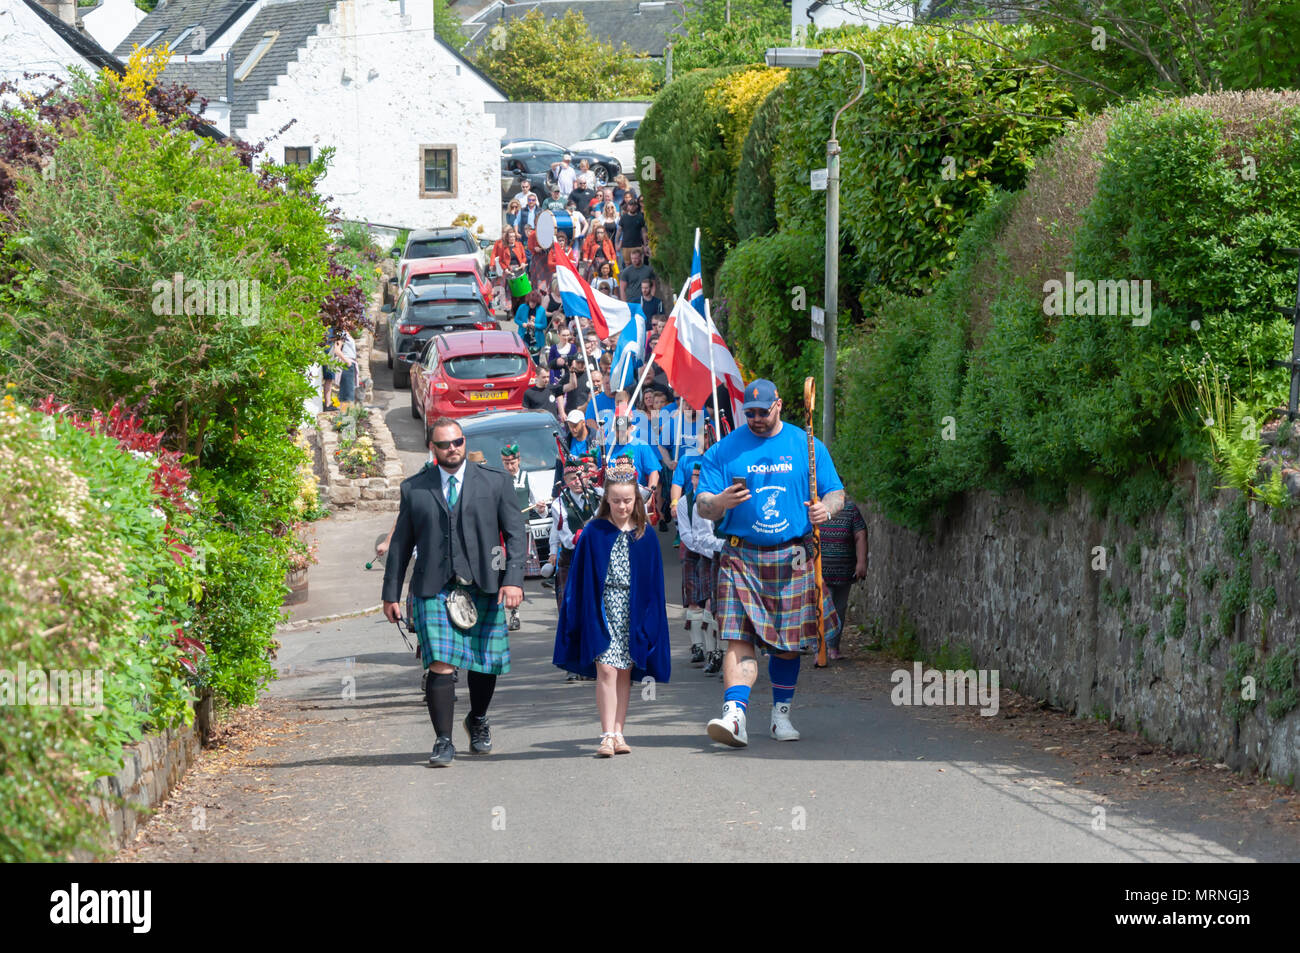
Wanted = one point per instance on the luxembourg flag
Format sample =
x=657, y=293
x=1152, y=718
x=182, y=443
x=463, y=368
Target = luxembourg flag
x=683, y=353
x=608, y=315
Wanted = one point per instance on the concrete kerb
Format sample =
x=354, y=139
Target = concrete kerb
x=325, y=619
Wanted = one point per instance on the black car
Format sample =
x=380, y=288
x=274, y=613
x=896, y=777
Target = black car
x=532, y=158
x=453, y=304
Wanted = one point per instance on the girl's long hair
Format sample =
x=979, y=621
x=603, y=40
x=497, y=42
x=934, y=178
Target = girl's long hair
x=639, y=518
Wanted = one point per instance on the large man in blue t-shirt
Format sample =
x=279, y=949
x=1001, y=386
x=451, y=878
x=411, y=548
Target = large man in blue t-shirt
x=754, y=485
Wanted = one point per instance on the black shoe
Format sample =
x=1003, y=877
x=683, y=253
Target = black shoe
x=444, y=753
x=548, y=583
x=715, y=664
x=573, y=677
x=480, y=735
x=697, y=654
x=663, y=526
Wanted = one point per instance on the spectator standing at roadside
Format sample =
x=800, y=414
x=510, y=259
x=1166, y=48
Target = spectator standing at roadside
x=609, y=219
x=844, y=561
x=582, y=199
x=651, y=306
x=542, y=396
x=580, y=224
x=345, y=350
x=561, y=353
x=530, y=319
x=604, y=280
x=597, y=246
x=564, y=174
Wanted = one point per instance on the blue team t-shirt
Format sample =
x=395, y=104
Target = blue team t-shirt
x=643, y=458
x=776, y=471
x=683, y=470
x=598, y=405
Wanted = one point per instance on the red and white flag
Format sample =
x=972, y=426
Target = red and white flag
x=683, y=352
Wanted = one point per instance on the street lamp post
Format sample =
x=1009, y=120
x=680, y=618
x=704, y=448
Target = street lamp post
x=668, y=51
x=809, y=58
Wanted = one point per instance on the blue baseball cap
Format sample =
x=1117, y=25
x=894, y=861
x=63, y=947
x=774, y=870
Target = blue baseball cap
x=760, y=395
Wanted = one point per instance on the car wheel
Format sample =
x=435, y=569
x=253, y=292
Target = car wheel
x=415, y=411
x=602, y=173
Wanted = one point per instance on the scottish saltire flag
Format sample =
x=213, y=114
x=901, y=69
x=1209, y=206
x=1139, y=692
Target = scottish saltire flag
x=608, y=315
x=628, y=351
x=695, y=285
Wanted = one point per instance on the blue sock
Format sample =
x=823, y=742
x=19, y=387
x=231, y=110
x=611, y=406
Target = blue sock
x=738, y=694
x=784, y=673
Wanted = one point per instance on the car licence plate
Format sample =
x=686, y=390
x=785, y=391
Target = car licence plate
x=489, y=395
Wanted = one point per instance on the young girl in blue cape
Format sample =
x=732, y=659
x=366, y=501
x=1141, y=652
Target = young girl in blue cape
x=613, y=620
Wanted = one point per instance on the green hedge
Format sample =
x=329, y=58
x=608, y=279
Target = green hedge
x=755, y=206
x=931, y=95
x=1150, y=191
x=693, y=134
x=92, y=582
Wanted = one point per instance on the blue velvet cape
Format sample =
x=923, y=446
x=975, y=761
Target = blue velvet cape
x=582, y=634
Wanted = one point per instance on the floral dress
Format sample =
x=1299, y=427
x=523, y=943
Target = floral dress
x=617, y=604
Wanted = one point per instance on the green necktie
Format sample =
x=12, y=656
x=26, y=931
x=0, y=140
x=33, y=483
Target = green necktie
x=452, y=495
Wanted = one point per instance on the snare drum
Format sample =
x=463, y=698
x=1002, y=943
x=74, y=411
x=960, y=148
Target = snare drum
x=548, y=223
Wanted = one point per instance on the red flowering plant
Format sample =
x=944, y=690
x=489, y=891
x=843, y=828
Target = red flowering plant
x=175, y=584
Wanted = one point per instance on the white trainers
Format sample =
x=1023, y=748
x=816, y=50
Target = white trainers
x=782, y=730
x=730, y=728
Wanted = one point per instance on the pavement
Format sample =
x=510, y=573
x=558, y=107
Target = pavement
x=333, y=765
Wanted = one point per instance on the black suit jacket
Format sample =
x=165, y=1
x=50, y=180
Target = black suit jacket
x=487, y=511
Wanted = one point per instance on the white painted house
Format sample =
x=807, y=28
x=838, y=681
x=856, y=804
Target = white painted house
x=111, y=21
x=832, y=13
x=414, y=145
x=33, y=39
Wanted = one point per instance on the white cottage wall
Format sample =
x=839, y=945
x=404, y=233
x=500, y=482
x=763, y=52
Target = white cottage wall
x=378, y=90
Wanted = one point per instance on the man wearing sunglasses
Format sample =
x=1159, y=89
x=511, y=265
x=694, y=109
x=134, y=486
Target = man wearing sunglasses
x=754, y=486
x=463, y=520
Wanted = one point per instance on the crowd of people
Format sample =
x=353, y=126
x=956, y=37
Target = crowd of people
x=742, y=497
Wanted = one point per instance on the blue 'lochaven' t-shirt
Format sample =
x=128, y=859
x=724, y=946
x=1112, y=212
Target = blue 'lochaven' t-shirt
x=776, y=471
x=682, y=472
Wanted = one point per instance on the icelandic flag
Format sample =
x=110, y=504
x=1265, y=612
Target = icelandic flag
x=628, y=352
x=695, y=285
x=683, y=352
x=609, y=316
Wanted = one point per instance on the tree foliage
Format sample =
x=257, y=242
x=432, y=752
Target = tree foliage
x=558, y=60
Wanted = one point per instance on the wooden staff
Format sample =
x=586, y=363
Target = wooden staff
x=810, y=400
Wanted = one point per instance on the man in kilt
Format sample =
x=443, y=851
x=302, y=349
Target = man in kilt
x=755, y=484
x=471, y=540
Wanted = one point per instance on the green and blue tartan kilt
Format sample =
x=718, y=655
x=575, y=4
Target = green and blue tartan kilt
x=485, y=649
x=768, y=597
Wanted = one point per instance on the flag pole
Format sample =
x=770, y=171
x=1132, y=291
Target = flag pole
x=577, y=322
x=713, y=376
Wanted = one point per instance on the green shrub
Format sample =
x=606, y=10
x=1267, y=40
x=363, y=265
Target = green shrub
x=693, y=134
x=755, y=206
x=93, y=579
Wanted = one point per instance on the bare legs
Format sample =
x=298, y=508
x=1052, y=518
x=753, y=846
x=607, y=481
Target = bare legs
x=613, y=688
x=739, y=667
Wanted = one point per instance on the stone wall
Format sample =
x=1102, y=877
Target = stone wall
x=1134, y=624
x=151, y=768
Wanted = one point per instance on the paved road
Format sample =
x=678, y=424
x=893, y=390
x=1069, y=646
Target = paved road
x=344, y=776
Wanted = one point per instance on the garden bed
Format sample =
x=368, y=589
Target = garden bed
x=352, y=480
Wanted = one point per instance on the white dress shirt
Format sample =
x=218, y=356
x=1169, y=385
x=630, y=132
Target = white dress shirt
x=446, y=480
x=696, y=532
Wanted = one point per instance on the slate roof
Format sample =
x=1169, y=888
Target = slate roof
x=295, y=20
x=215, y=16
x=82, y=43
x=205, y=77
x=613, y=21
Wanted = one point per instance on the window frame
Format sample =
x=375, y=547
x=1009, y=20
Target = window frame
x=254, y=57
x=453, y=161
x=300, y=165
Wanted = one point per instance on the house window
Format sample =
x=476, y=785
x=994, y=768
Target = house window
x=437, y=172
x=181, y=39
x=149, y=42
x=255, y=55
x=301, y=156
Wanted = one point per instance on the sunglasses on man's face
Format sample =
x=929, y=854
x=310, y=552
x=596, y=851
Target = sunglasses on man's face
x=757, y=414
x=448, y=444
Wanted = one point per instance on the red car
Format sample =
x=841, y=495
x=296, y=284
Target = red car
x=424, y=270
x=464, y=372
